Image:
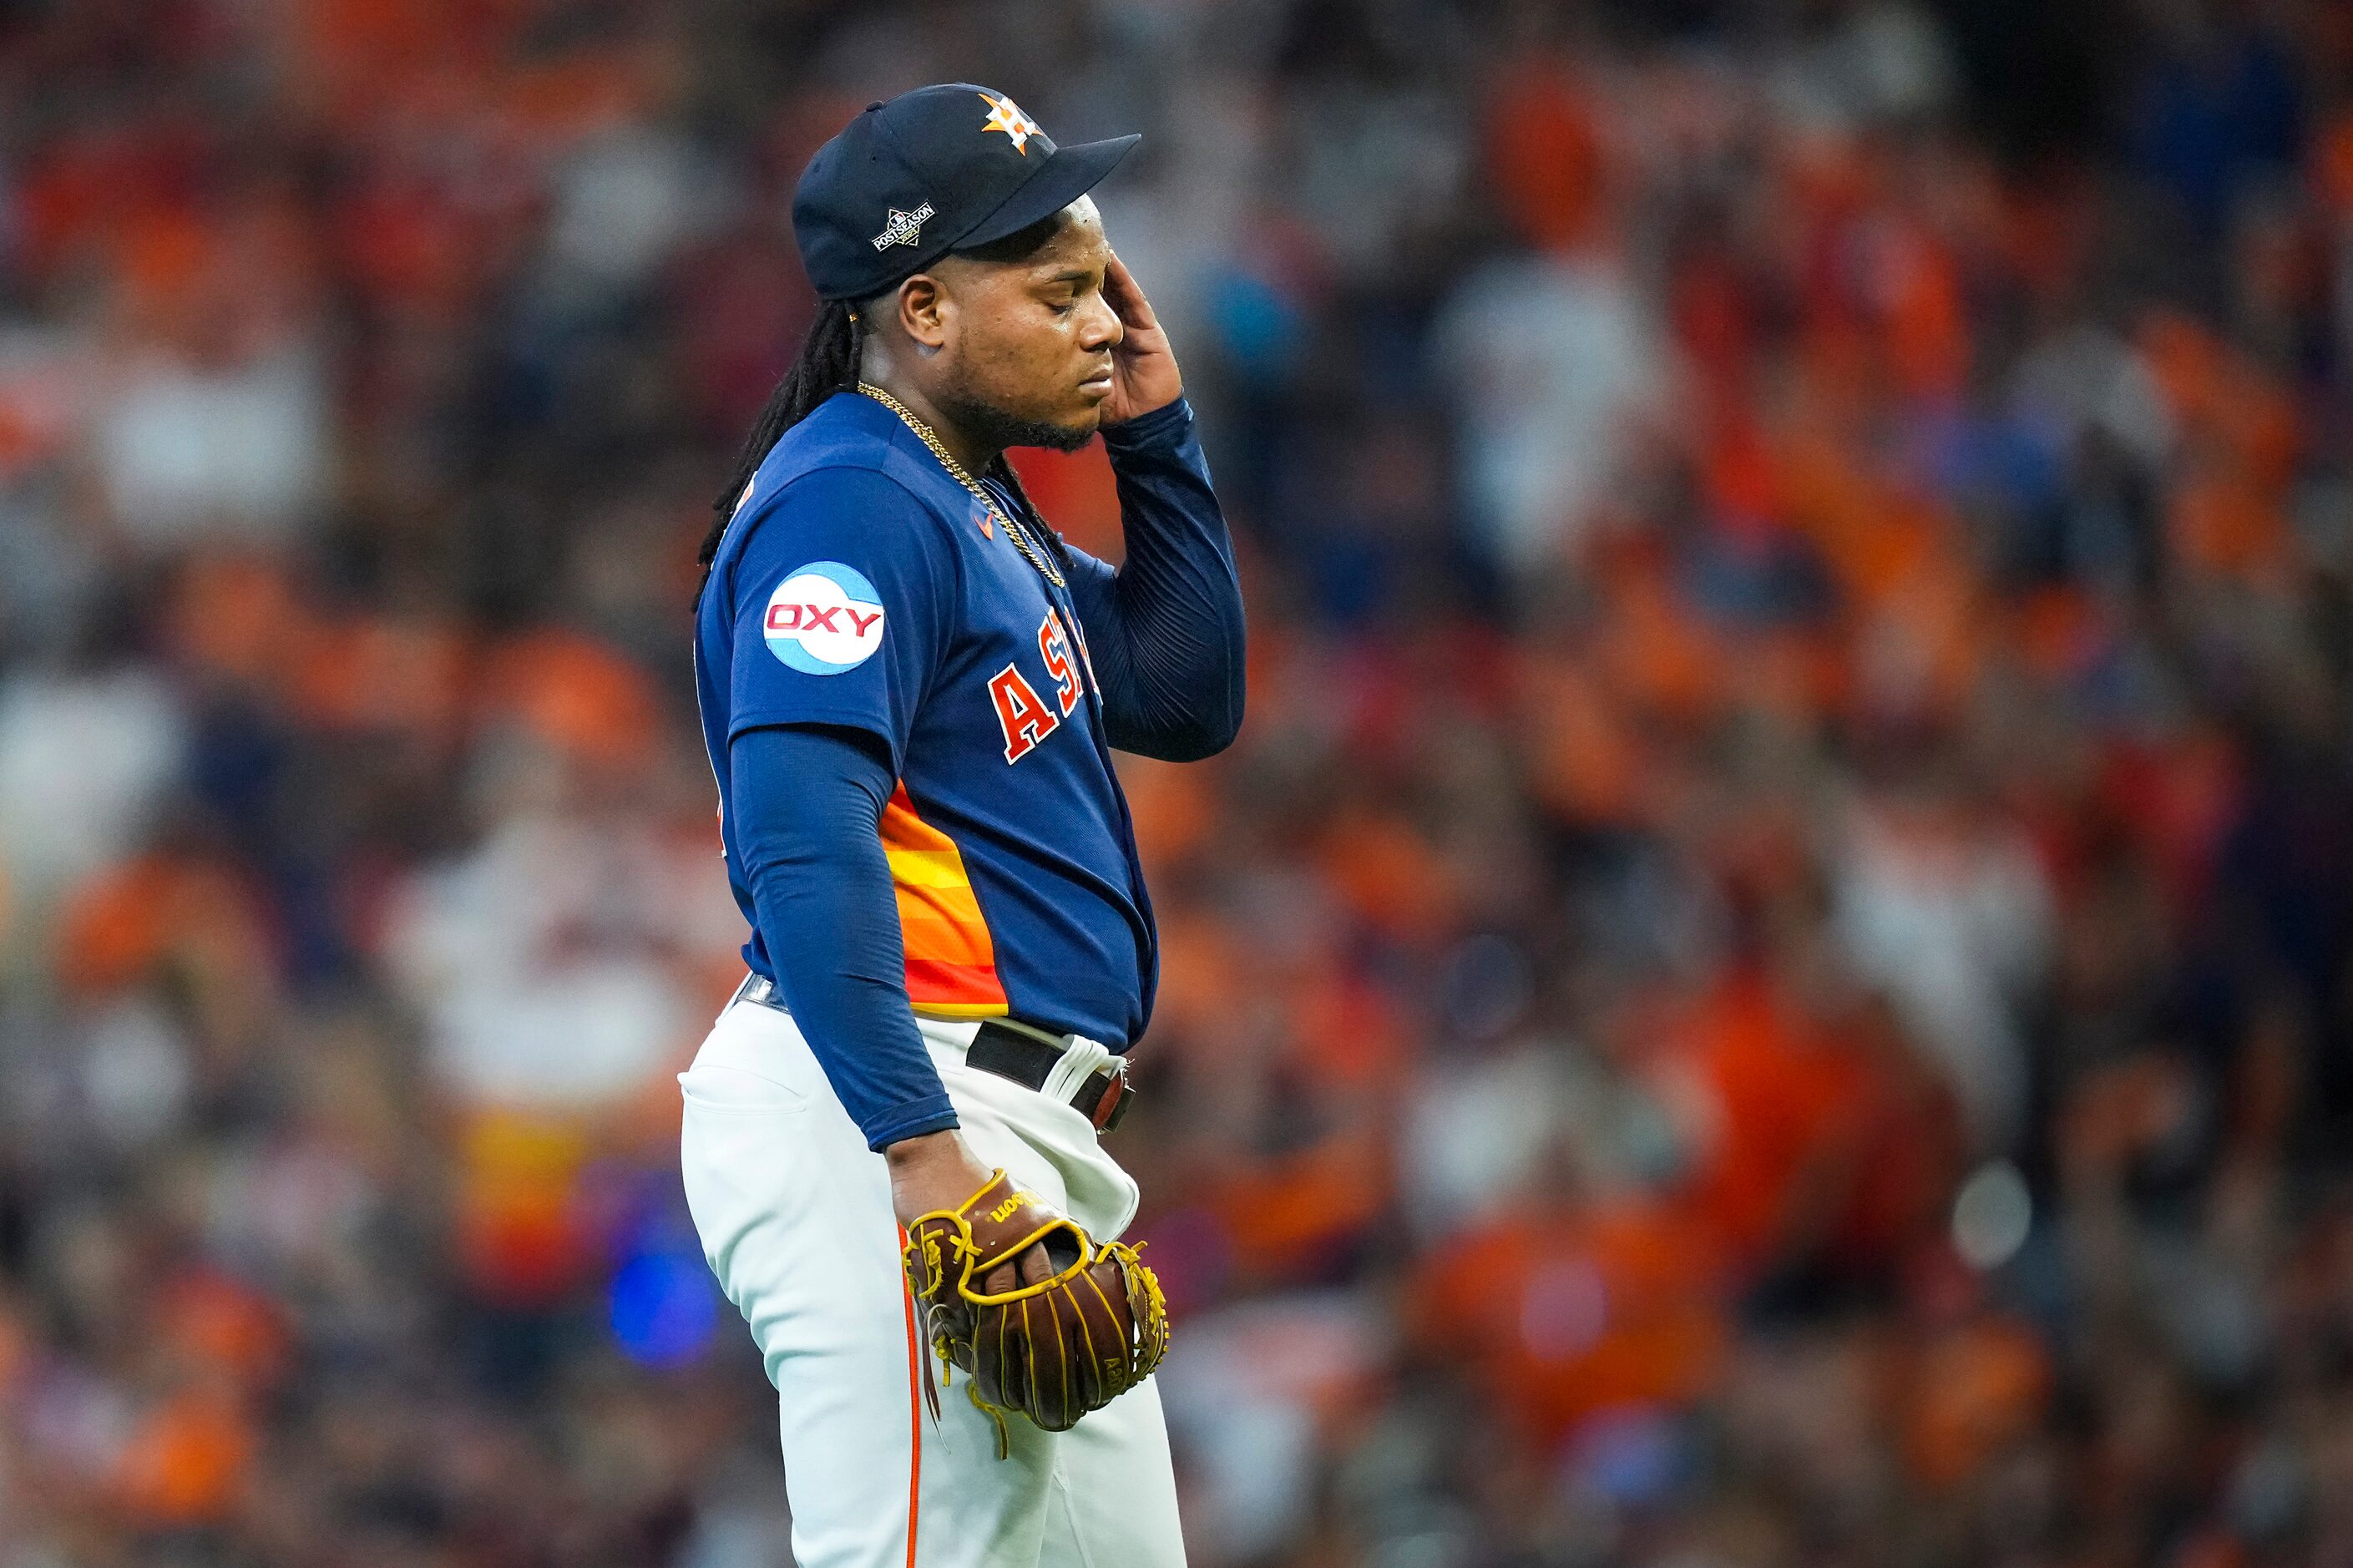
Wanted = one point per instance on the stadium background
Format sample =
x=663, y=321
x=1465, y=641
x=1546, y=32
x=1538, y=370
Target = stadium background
x=1766, y=984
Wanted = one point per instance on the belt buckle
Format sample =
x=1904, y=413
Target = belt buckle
x=1111, y=1105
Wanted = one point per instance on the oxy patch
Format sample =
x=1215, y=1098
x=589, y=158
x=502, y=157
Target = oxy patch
x=824, y=618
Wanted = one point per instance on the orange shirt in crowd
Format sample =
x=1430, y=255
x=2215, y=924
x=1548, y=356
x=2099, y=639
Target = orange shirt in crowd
x=1565, y=1312
x=1765, y=1098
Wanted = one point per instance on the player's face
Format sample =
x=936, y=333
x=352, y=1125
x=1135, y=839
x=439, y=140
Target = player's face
x=1032, y=346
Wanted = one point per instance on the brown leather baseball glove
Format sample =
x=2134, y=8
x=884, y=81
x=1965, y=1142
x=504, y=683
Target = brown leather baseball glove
x=1093, y=1329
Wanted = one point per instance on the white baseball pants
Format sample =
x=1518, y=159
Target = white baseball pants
x=795, y=1216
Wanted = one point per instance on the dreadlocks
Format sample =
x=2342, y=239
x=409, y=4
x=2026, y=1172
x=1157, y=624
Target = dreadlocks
x=827, y=364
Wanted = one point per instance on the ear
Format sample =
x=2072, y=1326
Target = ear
x=926, y=312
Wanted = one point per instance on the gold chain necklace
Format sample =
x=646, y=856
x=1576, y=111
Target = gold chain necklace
x=924, y=432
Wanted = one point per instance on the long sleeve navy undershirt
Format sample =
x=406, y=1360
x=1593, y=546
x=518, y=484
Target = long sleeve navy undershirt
x=807, y=802
x=1165, y=638
x=1164, y=629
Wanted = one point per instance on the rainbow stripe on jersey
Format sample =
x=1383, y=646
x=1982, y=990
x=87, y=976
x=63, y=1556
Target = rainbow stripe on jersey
x=951, y=963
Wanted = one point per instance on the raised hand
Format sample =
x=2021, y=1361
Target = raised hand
x=1144, y=375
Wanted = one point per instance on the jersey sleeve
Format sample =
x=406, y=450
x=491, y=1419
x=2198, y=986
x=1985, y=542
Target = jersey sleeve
x=842, y=597
x=1164, y=631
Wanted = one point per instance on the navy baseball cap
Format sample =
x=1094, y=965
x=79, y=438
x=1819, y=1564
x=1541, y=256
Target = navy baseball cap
x=938, y=169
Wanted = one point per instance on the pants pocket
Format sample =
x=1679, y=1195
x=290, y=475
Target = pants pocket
x=1097, y=1191
x=727, y=1091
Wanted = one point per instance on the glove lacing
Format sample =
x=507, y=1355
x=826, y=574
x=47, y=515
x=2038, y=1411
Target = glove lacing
x=1150, y=1315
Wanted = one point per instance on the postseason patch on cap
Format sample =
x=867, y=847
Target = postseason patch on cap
x=824, y=618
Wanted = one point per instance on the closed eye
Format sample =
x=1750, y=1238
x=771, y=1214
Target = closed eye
x=1079, y=283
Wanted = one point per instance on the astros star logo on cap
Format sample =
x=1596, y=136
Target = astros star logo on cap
x=1005, y=115
x=919, y=176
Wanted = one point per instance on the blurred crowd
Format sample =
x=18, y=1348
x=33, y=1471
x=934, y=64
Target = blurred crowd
x=1768, y=984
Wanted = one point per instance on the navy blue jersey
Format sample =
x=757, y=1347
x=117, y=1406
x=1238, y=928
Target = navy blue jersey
x=860, y=586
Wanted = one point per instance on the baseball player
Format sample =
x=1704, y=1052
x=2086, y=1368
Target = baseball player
x=911, y=688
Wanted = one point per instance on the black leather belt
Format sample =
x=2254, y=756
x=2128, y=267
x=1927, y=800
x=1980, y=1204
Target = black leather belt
x=1013, y=1051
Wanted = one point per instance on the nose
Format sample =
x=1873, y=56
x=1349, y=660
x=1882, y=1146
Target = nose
x=1101, y=329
